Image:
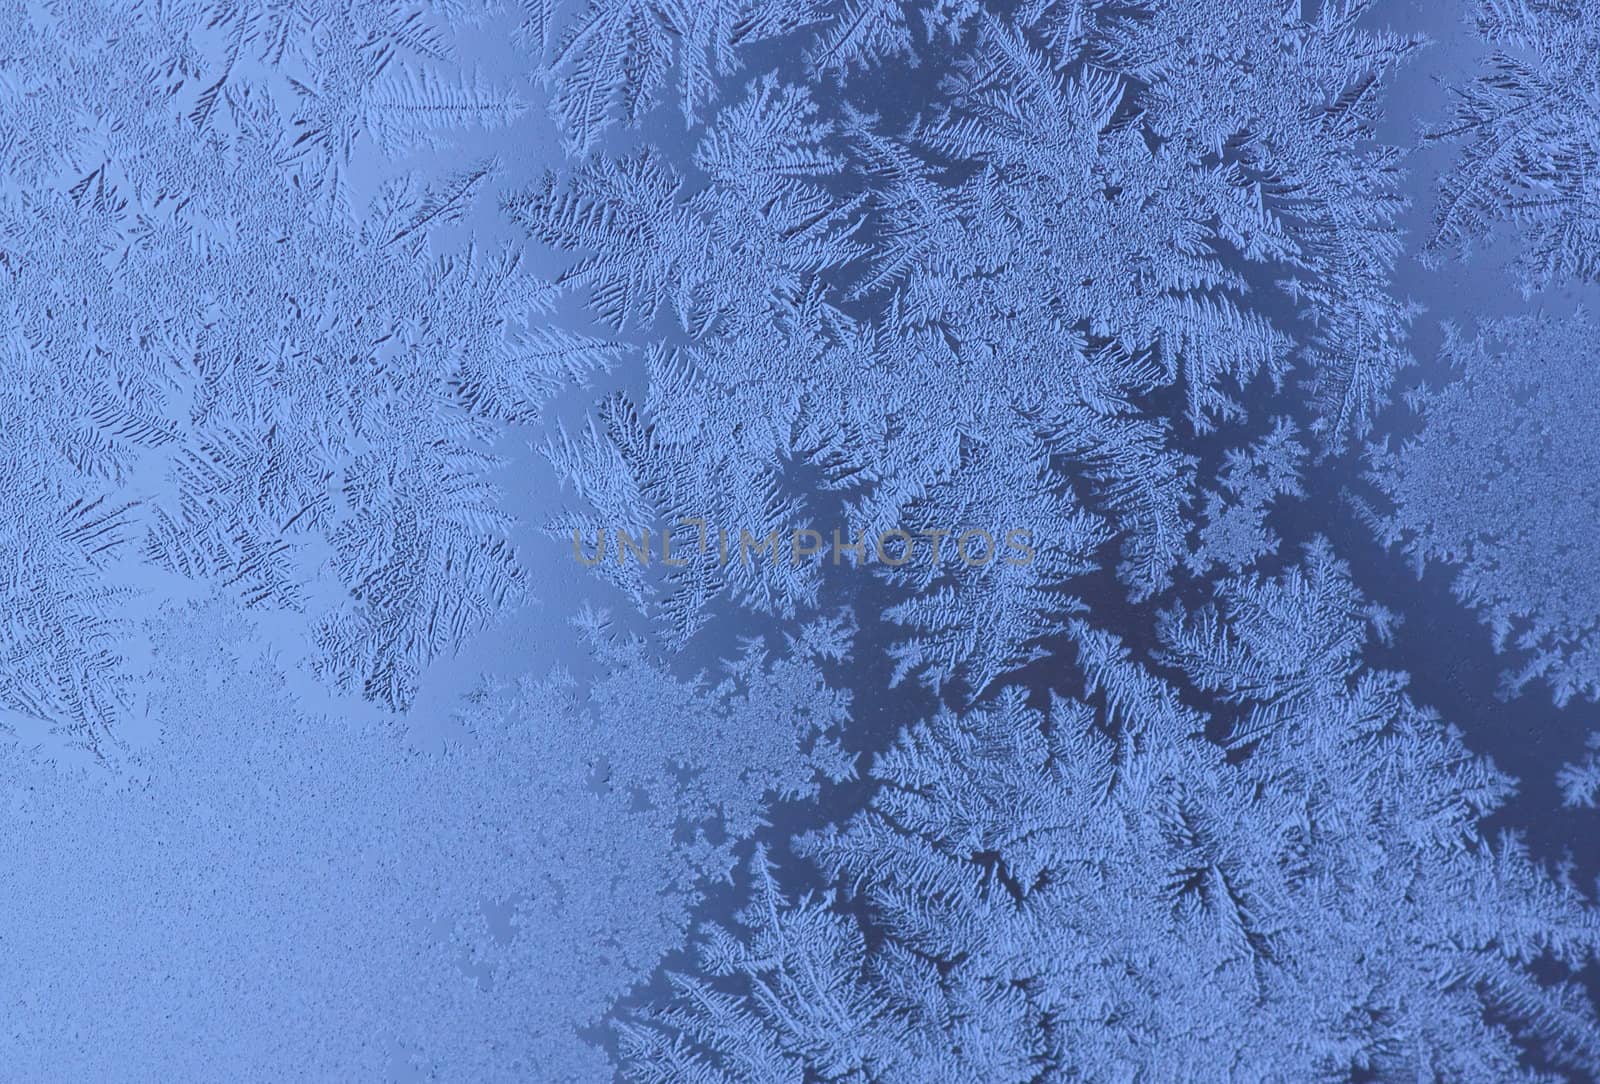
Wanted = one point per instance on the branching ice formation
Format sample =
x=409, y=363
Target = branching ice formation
x=286, y=288
x=1500, y=484
x=1091, y=890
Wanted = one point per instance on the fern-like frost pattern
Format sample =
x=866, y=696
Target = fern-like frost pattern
x=361, y=361
x=1088, y=888
x=1499, y=484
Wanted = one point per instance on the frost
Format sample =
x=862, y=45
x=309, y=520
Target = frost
x=1580, y=781
x=862, y=33
x=958, y=603
x=1089, y=889
x=1282, y=109
x=257, y=856
x=1531, y=126
x=1047, y=272
x=1500, y=485
x=1032, y=287
x=58, y=660
x=1235, y=534
x=615, y=59
x=226, y=315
